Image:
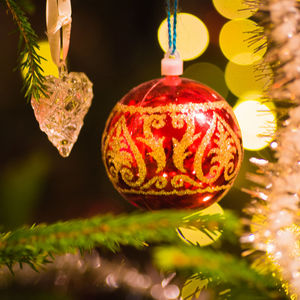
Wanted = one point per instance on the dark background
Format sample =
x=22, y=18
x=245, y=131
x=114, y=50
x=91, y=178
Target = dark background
x=115, y=44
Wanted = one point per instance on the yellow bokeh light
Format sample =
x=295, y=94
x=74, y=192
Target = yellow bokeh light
x=234, y=42
x=257, y=122
x=192, y=36
x=193, y=235
x=193, y=287
x=209, y=74
x=250, y=79
x=48, y=66
x=233, y=9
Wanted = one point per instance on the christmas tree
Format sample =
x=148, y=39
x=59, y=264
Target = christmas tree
x=65, y=231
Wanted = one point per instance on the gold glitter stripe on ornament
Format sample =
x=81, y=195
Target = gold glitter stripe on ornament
x=172, y=108
x=175, y=192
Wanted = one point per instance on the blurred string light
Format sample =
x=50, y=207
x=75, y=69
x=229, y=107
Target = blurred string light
x=257, y=122
x=192, y=36
x=83, y=271
x=247, y=79
x=48, y=66
x=235, y=45
x=209, y=74
x=195, y=236
x=233, y=9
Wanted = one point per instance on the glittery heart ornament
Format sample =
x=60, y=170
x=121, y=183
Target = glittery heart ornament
x=61, y=113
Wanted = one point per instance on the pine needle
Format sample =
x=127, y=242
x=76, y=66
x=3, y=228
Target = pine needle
x=28, y=57
x=36, y=244
x=219, y=270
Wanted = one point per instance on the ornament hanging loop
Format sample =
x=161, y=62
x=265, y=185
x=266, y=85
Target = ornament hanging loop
x=171, y=64
x=58, y=19
x=62, y=68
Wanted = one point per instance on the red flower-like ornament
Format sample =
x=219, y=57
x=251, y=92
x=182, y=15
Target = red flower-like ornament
x=172, y=143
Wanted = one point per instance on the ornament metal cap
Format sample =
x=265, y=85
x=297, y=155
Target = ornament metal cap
x=171, y=64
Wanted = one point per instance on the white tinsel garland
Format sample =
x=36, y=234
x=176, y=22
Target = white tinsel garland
x=276, y=213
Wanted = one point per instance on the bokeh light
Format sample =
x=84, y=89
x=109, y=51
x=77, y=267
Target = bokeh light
x=195, y=236
x=247, y=80
x=192, y=36
x=194, y=286
x=233, y=9
x=209, y=74
x=234, y=42
x=257, y=122
x=48, y=66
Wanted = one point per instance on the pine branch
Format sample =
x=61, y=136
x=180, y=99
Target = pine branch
x=28, y=57
x=212, y=263
x=27, y=6
x=219, y=269
x=37, y=244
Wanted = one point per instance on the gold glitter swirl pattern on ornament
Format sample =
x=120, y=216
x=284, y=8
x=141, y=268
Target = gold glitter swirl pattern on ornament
x=127, y=156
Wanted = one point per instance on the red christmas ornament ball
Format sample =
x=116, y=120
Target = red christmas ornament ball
x=172, y=143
